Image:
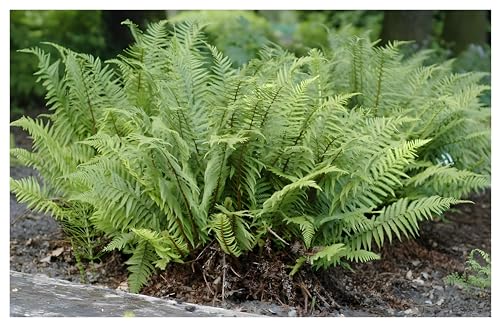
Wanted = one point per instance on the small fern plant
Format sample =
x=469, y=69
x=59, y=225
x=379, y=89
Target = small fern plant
x=477, y=272
x=169, y=146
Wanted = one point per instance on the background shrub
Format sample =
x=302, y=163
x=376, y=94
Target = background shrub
x=79, y=30
x=240, y=34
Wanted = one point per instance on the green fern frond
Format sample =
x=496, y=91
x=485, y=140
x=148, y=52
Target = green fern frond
x=447, y=181
x=295, y=190
x=38, y=198
x=298, y=264
x=140, y=266
x=384, y=175
x=222, y=226
x=245, y=238
x=328, y=256
x=27, y=158
x=362, y=256
x=477, y=274
x=333, y=255
x=349, y=223
x=120, y=241
x=86, y=240
x=165, y=247
x=306, y=226
x=402, y=216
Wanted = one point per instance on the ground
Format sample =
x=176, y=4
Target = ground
x=406, y=281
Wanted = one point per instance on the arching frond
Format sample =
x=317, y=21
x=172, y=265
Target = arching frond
x=402, y=216
x=306, y=226
x=140, y=266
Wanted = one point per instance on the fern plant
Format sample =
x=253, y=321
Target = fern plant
x=477, y=272
x=169, y=146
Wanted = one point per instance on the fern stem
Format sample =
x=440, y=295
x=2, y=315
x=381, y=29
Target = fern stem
x=234, y=100
x=175, y=245
x=186, y=202
x=89, y=103
x=266, y=113
x=354, y=75
x=379, y=81
x=114, y=126
x=240, y=160
x=140, y=75
x=429, y=124
x=192, y=138
x=301, y=133
x=181, y=132
x=79, y=264
x=328, y=146
x=360, y=53
x=177, y=219
x=238, y=178
x=218, y=180
x=88, y=238
x=187, y=125
x=254, y=113
x=357, y=69
x=224, y=269
x=180, y=124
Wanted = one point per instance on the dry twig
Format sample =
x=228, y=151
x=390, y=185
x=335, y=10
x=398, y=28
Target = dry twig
x=277, y=236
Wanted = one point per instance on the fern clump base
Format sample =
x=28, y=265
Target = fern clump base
x=169, y=148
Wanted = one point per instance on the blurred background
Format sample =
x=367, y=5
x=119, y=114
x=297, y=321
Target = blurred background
x=464, y=35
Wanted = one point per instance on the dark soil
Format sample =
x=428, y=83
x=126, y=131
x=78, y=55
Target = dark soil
x=407, y=281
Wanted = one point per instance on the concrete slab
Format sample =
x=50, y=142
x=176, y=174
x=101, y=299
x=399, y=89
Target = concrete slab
x=41, y=296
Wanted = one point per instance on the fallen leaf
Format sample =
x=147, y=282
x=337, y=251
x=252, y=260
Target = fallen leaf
x=46, y=259
x=123, y=286
x=419, y=281
x=57, y=252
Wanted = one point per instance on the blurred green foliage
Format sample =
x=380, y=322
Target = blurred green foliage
x=241, y=34
x=238, y=34
x=312, y=28
x=79, y=30
x=476, y=58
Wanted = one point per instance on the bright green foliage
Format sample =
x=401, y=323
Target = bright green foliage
x=168, y=147
x=477, y=272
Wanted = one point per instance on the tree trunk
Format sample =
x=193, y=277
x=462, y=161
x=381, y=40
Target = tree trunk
x=464, y=27
x=407, y=25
